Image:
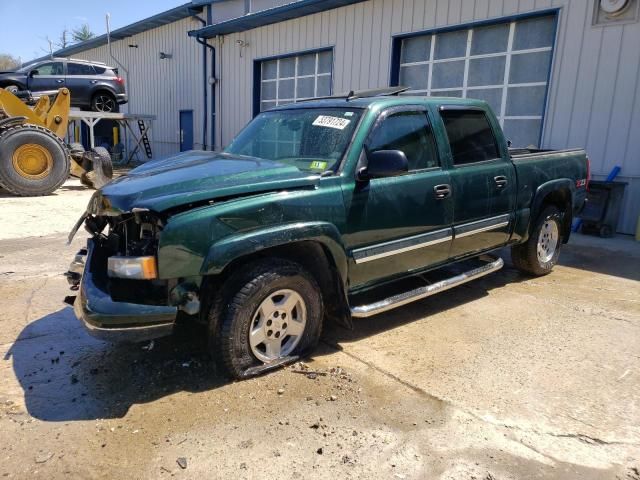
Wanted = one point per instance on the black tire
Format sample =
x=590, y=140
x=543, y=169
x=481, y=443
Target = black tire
x=232, y=316
x=525, y=256
x=104, y=102
x=76, y=148
x=28, y=185
x=102, y=167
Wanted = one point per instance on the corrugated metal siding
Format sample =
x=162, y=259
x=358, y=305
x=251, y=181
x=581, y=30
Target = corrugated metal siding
x=594, y=96
x=161, y=87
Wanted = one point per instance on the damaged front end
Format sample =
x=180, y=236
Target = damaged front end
x=120, y=296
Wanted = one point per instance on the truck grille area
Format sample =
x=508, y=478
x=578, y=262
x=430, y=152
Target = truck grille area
x=130, y=235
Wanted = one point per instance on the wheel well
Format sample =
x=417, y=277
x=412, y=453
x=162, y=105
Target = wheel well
x=102, y=90
x=561, y=199
x=313, y=256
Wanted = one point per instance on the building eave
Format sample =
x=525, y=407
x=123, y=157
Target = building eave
x=272, y=15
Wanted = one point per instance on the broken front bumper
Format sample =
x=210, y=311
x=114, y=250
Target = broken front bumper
x=114, y=321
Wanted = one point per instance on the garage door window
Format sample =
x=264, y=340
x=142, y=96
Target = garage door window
x=294, y=78
x=505, y=64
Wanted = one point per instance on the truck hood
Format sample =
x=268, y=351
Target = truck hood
x=194, y=177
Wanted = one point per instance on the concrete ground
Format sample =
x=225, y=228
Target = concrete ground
x=507, y=377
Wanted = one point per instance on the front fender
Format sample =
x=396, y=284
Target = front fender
x=231, y=248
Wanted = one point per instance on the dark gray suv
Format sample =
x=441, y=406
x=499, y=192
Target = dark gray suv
x=93, y=85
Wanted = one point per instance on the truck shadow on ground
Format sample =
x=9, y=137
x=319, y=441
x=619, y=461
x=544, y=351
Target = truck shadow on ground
x=67, y=375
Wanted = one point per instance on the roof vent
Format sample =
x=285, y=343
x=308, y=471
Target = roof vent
x=610, y=12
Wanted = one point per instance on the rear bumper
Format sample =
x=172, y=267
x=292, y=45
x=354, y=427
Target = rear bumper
x=122, y=98
x=118, y=321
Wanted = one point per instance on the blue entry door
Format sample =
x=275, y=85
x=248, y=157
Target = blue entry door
x=186, y=130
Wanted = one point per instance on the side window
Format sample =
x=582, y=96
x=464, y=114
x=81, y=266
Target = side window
x=54, y=68
x=79, y=69
x=470, y=136
x=409, y=132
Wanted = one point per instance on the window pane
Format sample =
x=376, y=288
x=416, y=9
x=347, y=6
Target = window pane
x=415, y=49
x=523, y=133
x=306, y=87
x=266, y=105
x=324, y=86
x=410, y=133
x=470, y=136
x=491, y=39
x=307, y=64
x=79, y=69
x=530, y=67
x=415, y=77
x=54, y=68
x=493, y=96
x=324, y=62
x=447, y=93
x=486, y=71
x=534, y=33
x=450, y=45
x=269, y=69
x=525, y=101
x=285, y=89
x=268, y=91
x=447, y=74
x=287, y=67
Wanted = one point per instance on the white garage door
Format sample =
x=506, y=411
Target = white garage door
x=506, y=64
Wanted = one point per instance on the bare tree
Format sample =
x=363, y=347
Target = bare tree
x=9, y=62
x=82, y=33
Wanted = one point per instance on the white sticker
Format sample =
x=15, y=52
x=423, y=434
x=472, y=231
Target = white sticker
x=348, y=114
x=331, y=122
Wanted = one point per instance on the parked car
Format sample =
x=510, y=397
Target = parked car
x=93, y=85
x=315, y=211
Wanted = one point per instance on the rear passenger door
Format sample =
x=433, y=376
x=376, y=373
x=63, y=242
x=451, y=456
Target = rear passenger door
x=80, y=79
x=483, y=182
x=403, y=223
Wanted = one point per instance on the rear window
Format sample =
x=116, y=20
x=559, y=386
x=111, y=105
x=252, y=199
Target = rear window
x=99, y=70
x=470, y=136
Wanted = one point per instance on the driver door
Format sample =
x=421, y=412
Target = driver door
x=404, y=223
x=49, y=76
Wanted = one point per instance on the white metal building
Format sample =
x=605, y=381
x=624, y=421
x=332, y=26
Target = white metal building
x=559, y=73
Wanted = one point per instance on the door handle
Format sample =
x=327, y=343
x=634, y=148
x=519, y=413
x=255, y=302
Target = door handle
x=94, y=81
x=442, y=191
x=60, y=81
x=501, y=181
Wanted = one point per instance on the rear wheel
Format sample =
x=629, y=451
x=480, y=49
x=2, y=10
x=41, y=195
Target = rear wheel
x=12, y=89
x=271, y=311
x=539, y=254
x=33, y=161
x=104, y=102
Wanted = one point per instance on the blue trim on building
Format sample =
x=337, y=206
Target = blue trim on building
x=257, y=70
x=396, y=46
x=269, y=16
x=164, y=18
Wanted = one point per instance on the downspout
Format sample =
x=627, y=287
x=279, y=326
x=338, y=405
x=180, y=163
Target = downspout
x=203, y=42
x=205, y=89
x=109, y=45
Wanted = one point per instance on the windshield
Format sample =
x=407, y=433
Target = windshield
x=311, y=139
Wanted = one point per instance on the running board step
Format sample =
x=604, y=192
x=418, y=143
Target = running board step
x=363, y=311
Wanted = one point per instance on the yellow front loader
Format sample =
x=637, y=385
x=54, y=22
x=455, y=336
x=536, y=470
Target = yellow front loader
x=34, y=159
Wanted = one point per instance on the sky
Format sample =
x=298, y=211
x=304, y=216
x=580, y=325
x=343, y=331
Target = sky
x=26, y=24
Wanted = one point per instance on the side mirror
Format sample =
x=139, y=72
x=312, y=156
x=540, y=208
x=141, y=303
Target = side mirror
x=384, y=163
x=33, y=73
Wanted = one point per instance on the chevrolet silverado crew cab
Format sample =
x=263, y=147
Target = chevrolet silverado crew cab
x=318, y=210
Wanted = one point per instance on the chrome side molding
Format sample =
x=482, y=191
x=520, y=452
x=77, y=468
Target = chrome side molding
x=364, y=311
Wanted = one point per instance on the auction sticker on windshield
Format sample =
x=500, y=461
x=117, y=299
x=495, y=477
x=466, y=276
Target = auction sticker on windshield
x=331, y=122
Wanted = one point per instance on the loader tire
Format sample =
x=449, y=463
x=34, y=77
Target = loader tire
x=33, y=161
x=101, y=168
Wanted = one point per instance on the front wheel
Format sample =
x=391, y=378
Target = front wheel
x=272, y=312
x=538, y=255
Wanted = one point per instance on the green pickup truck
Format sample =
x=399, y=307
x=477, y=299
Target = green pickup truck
x=318, y=211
